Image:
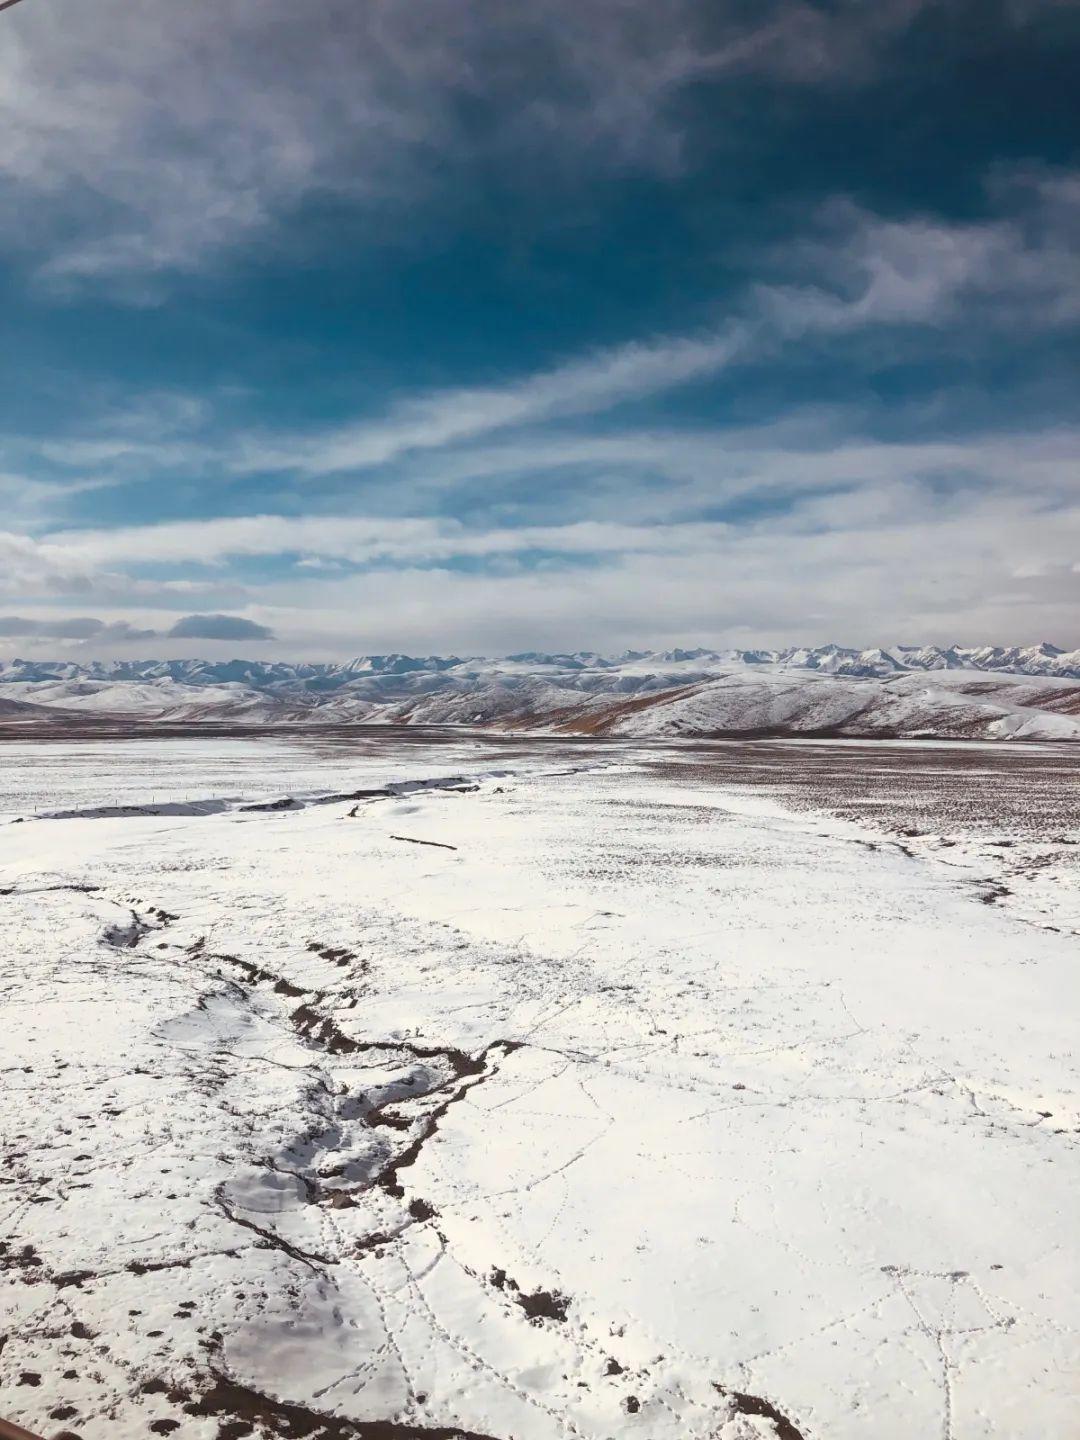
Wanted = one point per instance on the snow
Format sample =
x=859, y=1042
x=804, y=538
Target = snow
x=990, y=693
x=910, y=705
x=124, y=696
x=669, y=1102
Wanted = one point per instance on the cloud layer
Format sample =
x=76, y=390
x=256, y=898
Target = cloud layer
x=868, y=542
x=706, y=394
x=88, y=629
x=173, y=134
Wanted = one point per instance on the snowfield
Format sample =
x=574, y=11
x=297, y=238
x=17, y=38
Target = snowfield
x=523, y=1088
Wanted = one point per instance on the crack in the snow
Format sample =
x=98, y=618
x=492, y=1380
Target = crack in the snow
x=276, y=1242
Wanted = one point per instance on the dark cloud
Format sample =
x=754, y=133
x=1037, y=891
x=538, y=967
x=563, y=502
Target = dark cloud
x=218, y=627
x=75, y=627
x=209, y=126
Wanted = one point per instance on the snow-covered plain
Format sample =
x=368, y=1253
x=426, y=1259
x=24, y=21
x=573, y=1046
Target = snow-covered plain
x=596, y=1089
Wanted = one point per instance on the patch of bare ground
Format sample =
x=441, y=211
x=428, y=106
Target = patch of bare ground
x=540, y=1305
x=1063, y=702
x=244, y=1412
x=599, y=722
x=744, y=1404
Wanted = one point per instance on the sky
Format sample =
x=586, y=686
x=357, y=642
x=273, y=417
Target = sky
x=362, y=326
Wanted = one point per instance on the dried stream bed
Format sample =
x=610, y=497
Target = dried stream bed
x=699, y=1091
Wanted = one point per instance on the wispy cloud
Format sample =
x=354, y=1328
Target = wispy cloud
x=1020, y=268
x=704, y=470
x=33, y=502
x=856, y=273
x=587, y=386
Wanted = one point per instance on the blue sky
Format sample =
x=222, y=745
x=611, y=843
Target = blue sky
x=370, y=325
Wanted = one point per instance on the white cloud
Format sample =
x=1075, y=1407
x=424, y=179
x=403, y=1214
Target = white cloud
x=659, y=474
x=706, y=469
x=41, y=567
x=897, y=564
x=870, y=541
x=901, y=570
x=1020, y=268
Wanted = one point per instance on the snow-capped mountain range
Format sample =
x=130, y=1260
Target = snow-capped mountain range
x=1030, y=692
x=1041, y=659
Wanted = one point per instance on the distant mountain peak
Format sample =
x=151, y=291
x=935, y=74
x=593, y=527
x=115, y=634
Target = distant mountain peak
x=683, y=664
